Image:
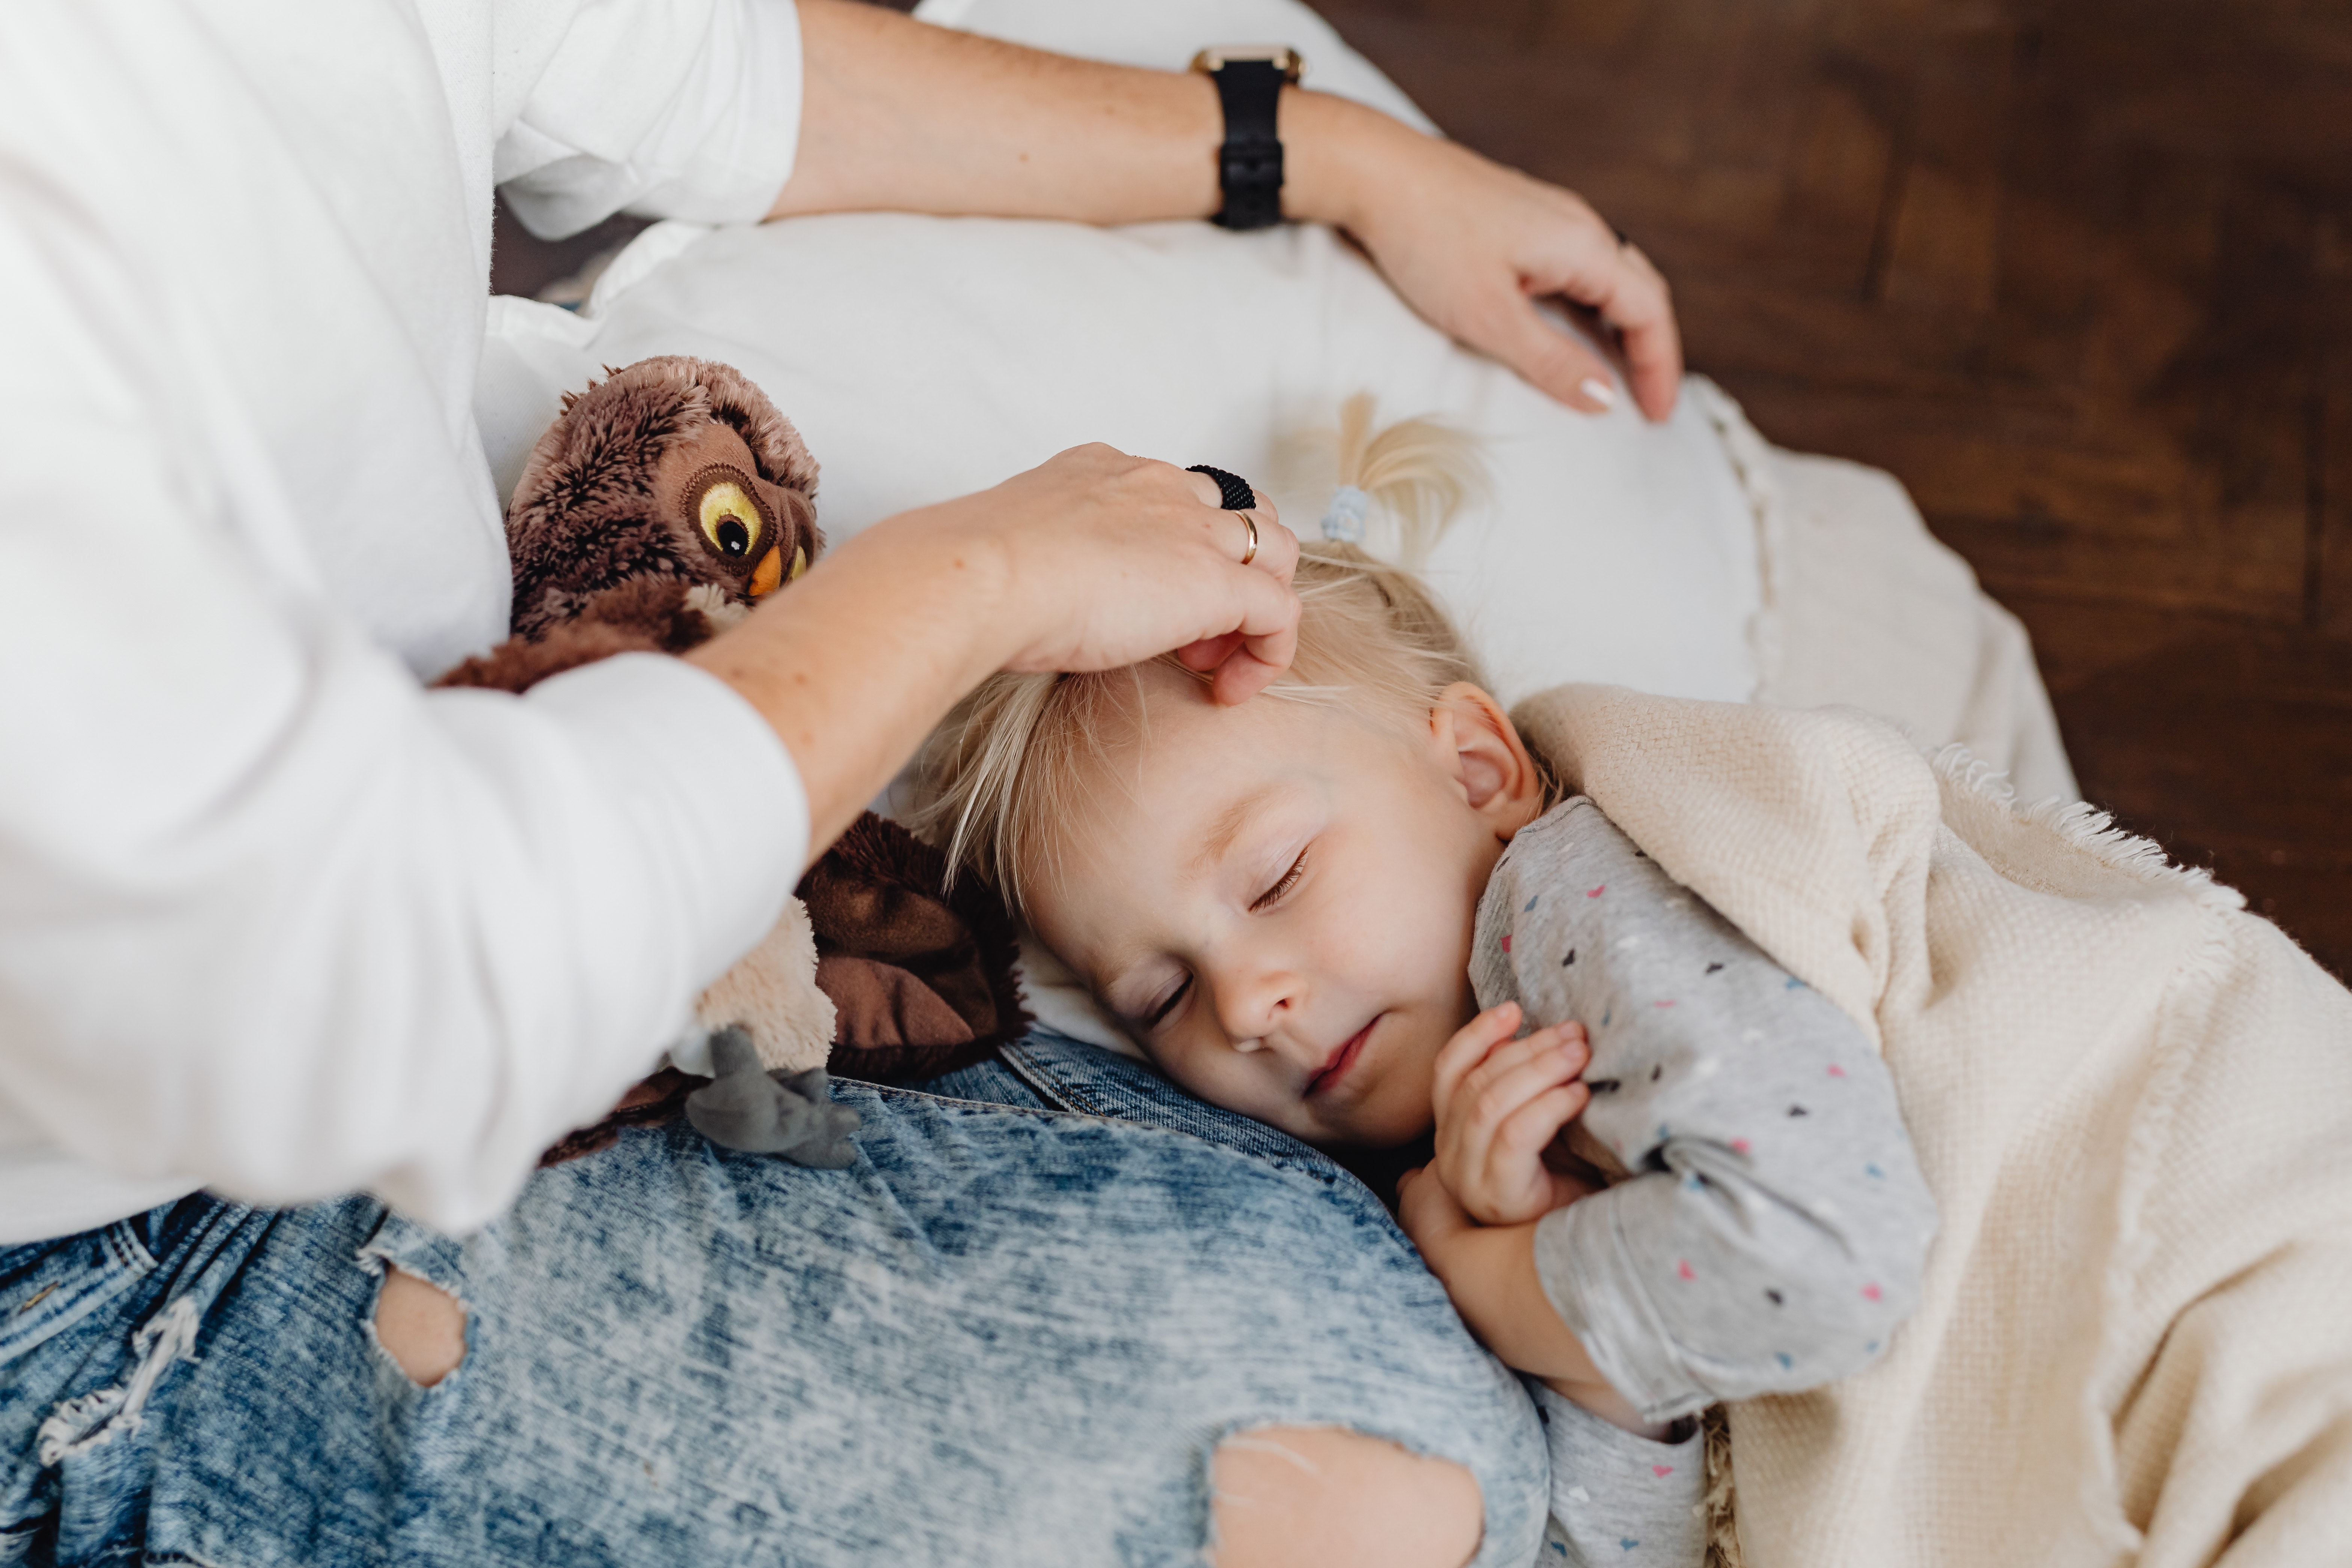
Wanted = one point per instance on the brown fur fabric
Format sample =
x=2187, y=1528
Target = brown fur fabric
x=654, y=1100
x=585, y=516
x=649, y=616
x=924, y=985
x=900, y=960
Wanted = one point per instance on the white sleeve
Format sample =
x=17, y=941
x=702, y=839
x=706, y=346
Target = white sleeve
x=272, y=918
x=688, y=108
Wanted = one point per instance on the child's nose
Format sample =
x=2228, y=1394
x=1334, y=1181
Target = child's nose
x=1253, y=1000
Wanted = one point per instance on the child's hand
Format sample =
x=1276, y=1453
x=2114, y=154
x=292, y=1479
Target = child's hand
x=1499, y=1103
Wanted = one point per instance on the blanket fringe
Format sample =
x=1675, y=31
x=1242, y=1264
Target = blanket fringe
x=1721, y=1504
x=2083, y=828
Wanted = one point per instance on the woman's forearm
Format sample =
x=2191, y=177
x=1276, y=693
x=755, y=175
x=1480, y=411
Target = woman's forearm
x=854, y=664
x=901, y=116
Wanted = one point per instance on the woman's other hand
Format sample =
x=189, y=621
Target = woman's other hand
x=1110, y=560
x=1499, y=1103
x=1472, y=245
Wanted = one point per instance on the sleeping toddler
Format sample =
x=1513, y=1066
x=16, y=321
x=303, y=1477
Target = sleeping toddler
x=1358, y=912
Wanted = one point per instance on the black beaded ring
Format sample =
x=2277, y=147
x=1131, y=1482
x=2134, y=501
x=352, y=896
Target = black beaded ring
x=1234, y=492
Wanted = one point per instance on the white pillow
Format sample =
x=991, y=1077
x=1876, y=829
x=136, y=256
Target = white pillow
x=924, y=358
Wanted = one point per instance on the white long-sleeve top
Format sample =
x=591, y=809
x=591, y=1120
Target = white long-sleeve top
x=273, y=919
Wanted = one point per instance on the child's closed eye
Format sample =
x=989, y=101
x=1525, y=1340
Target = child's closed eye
x=1282, y=886
x=1158, y=1014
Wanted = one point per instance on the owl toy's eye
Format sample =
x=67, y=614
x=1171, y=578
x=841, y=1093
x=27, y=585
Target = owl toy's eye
x=728, y=514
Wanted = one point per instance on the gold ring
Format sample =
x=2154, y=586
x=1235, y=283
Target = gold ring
x=1251, y=523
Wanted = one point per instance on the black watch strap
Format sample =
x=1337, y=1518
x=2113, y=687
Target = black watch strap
x=1249, y=164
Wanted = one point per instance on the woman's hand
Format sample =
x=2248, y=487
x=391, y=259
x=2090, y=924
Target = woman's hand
x=1110, y=559
x=1091, y=560
x=1472, y=246
x=1500, y=1102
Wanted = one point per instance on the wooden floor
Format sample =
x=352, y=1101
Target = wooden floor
x=2079, y=272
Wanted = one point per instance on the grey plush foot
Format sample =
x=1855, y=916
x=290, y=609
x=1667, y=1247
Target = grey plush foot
x=764, y=1112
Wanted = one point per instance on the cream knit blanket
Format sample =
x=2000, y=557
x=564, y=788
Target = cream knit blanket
x=2134, y=1103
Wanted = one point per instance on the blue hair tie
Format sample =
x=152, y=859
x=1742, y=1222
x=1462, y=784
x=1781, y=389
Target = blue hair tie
x=1344, y=518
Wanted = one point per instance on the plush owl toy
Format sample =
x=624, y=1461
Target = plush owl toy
x=662, y=504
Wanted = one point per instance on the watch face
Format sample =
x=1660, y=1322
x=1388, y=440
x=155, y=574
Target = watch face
x=1282, y=57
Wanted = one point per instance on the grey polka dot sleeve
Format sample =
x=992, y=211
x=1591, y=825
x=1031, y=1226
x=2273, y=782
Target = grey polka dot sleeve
x=1771, y=1229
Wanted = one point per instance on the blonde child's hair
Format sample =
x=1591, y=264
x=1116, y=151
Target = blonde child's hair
x=1003, y=771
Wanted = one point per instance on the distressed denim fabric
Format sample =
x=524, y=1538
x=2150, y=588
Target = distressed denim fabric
x=1012, y=1332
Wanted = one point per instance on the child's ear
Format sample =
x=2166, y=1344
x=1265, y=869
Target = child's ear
x=1479, y=747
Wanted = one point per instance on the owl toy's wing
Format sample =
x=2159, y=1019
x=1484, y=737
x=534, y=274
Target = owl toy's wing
x=748, y=1108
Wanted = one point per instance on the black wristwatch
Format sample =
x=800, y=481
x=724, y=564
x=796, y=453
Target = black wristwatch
x=1250, y=79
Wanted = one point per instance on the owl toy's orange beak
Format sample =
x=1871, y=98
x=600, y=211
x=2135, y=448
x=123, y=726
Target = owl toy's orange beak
x=768, y=573
x=771, y=571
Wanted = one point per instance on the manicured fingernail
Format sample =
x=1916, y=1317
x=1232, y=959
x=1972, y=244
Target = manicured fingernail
x=1600, y=391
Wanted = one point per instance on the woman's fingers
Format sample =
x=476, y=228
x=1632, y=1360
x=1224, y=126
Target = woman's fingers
x=1473, y=244
x=1620, y=284
x=1117, y=559
x=1246, y=660
x=1643, y=310
x=1588, y=263
x=1547, y=356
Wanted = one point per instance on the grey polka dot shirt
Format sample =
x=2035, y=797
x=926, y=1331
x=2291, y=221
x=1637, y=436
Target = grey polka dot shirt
x=1771, y=1224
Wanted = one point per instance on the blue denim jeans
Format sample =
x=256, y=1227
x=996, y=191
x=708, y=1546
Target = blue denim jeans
x=1014, y=1333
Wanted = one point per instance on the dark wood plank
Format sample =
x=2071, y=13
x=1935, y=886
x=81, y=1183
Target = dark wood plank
x=2329, y=608
x=2228, y=742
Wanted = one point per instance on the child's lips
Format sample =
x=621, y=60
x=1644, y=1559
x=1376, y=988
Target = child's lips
x=1335, y=1069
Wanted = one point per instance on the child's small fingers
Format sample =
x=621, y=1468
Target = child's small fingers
x=1469, y=1047
x=1500, y=1097
x=1541, y=1059
x=1503, y=1057
x=1534, y=1124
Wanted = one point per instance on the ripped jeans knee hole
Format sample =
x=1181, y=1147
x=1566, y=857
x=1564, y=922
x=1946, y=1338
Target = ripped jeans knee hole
x=420, y=1326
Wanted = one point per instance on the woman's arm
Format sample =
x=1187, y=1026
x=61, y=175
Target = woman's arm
x=901, y=116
